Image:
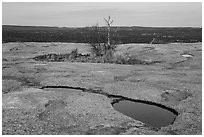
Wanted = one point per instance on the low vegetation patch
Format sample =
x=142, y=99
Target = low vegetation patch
x=74, y=56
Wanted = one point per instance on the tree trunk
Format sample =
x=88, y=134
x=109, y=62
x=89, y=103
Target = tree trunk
x=109, y=22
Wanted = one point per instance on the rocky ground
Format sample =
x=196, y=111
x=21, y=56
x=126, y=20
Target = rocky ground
x=27, y=108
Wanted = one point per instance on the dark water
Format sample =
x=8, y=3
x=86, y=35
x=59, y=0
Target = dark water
x=148, y=114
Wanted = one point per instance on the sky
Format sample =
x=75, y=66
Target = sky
x=70, y=14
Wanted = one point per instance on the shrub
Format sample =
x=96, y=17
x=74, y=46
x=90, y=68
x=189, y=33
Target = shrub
x=74, y=54
x=131, y=60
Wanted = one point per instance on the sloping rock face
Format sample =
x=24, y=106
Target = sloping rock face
x=35, y=111
x=29, y=109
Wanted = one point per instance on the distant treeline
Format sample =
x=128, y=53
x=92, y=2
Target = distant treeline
x=87, y=34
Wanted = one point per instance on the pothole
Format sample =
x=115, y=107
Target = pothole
x=175, y=96
x=152, y=115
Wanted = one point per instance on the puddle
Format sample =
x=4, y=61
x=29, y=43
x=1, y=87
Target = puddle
x=187, y=55
x=153, y=114
x=146, y=113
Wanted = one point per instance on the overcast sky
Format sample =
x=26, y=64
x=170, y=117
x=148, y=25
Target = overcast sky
x=88, y=14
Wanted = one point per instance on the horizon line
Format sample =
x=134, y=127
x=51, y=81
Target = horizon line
x=101, y=26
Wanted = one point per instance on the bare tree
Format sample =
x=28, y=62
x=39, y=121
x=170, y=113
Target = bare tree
x=104, y=50
x=110, y=48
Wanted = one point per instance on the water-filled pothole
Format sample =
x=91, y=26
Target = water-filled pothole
x=152, y=115
x=187, y=55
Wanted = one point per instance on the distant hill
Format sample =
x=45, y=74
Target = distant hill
x=132, y=34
